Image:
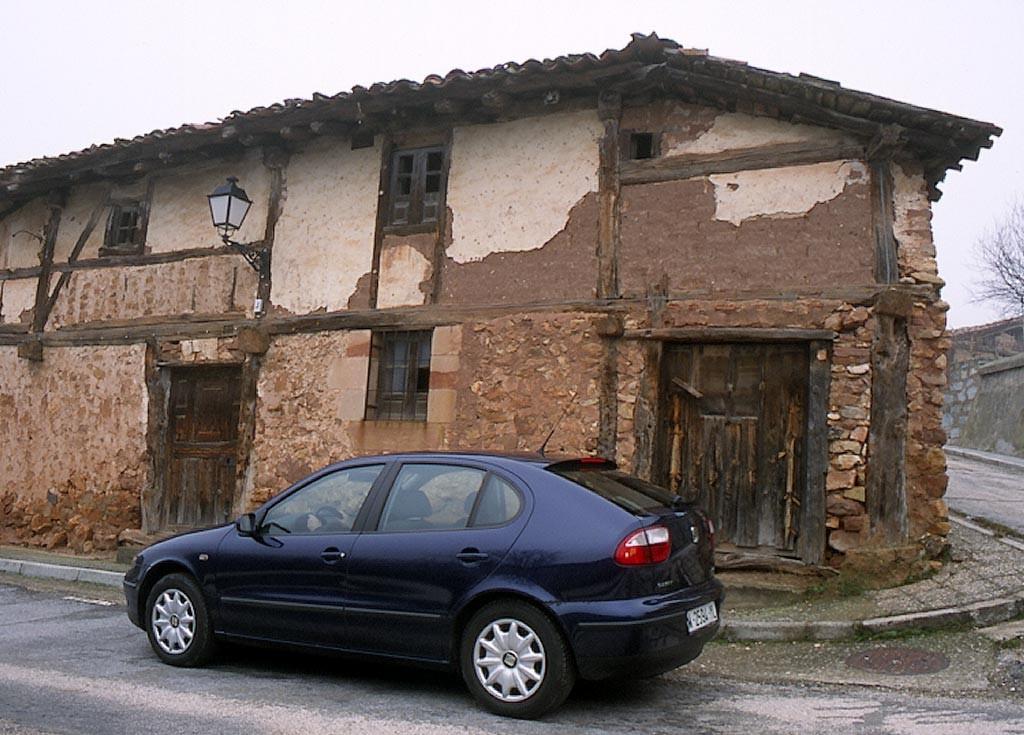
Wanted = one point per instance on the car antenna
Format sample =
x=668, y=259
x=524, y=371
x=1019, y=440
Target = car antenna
x=572, y=400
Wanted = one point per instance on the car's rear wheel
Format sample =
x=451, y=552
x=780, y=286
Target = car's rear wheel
x=515, y=661
x=177, y=621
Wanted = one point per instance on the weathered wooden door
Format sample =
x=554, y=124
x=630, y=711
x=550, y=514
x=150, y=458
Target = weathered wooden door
x=732, y=433
x=202, y=446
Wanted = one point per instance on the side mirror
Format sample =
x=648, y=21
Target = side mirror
x=246, y=524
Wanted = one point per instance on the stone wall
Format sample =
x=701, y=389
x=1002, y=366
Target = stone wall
x=74, y=458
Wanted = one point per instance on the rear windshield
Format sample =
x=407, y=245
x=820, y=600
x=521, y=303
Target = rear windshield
x=627, y=492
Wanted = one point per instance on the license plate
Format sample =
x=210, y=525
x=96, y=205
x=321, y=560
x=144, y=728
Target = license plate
x=701, y=617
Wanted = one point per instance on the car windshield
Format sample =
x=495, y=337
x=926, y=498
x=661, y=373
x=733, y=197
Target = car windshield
x=627, y=492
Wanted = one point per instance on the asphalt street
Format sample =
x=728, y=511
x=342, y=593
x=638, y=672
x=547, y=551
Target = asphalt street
x=78, y=666
x=988, y=491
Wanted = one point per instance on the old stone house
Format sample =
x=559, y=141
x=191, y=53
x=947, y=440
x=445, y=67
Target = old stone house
x=723, y=277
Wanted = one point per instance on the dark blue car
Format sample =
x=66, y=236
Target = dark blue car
x=523, y=572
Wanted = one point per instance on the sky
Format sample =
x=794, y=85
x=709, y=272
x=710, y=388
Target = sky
x=78, y=73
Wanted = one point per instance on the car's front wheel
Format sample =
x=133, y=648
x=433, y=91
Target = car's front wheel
x=515, y=661
x=177, y=621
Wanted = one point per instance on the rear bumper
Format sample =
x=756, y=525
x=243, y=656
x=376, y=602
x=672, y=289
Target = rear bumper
x=640, y=637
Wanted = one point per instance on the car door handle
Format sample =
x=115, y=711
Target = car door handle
x=332, y=555
x=471, y=556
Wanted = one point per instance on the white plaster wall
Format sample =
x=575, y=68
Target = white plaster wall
x=16, y=296
x=790, y=191
x=180, y=216
x=512, y=184
x=402, y=269
x=324, y=239
x=909, y=194
x=736, y=131
x=21, y=250
x=80, y=205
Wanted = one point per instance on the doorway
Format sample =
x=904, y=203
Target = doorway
x=202, y=446
x=732, y=436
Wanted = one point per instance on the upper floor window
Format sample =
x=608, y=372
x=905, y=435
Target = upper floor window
x=124, y=229
x=417, y=186
x=399, y=376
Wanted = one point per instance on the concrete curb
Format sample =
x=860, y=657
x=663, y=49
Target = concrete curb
x=999, y=460
x=976, y=615
x=63, y=573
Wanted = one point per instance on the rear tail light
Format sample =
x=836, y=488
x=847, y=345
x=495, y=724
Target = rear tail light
x=649, y=546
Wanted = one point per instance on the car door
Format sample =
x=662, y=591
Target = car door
x=442, y=529
x=285, y=581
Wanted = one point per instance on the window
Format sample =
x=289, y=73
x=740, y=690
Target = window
x=124, y=229
x=327, y=505
x=417, y=186
x=399, y=376
x=641, y=146
x=437, y=497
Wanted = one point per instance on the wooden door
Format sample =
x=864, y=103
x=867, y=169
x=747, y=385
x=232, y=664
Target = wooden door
x=732, y=435
x=202, y=446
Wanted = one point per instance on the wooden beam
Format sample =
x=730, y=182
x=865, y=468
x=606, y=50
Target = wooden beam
x=672, y=168
x=383, y=185
x=56, y=205
x=276, y=159
x=811, y=540
x=886, y=479
x=887, y=270
x=609, y=109
x=729, y=334
x=122, y=261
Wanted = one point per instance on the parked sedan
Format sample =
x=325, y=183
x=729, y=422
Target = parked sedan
x=522, y=572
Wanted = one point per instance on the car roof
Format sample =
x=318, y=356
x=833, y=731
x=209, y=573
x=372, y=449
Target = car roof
x=534, y=459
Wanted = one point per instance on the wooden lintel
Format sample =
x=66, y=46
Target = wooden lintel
x=729, y=334
x=122, y=261
x=671, y=168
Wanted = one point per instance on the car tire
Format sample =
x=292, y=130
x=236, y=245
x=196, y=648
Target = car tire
x=178, y=622
x=514, y=660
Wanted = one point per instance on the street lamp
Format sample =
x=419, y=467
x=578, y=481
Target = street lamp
x=228, y=206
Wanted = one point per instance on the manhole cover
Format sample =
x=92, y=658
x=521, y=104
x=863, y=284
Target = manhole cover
x=898, y=661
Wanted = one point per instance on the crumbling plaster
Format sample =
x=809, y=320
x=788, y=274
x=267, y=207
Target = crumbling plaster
x=81, y=203
x=736, y=131
x=324, y=238
x=180, y=215
x=781, y=192
x=511, y=185
x=912, y=225
x=17, y=298
x=403, y=269
x=18, y=248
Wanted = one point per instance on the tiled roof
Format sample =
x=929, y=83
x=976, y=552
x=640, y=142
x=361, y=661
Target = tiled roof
x=939, y=139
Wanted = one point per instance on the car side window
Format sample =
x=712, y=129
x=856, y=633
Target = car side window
x=431, y=497
x=499, y=503
x=329, y=504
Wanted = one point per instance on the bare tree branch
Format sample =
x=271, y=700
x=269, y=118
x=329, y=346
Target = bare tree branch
x=1000, y=253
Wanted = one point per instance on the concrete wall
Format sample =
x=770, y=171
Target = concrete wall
x=996, y=419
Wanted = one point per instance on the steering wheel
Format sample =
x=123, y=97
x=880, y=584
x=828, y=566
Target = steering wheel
x=329, y=515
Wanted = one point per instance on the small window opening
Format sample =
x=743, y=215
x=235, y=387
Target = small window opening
x=641, y=146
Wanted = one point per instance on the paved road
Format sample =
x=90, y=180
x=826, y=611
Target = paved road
x=71, y=666
x=988, y=491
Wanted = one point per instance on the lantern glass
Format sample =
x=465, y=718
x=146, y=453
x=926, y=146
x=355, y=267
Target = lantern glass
x=228, y=206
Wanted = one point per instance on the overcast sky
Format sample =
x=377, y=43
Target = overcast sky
x=78, y=73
